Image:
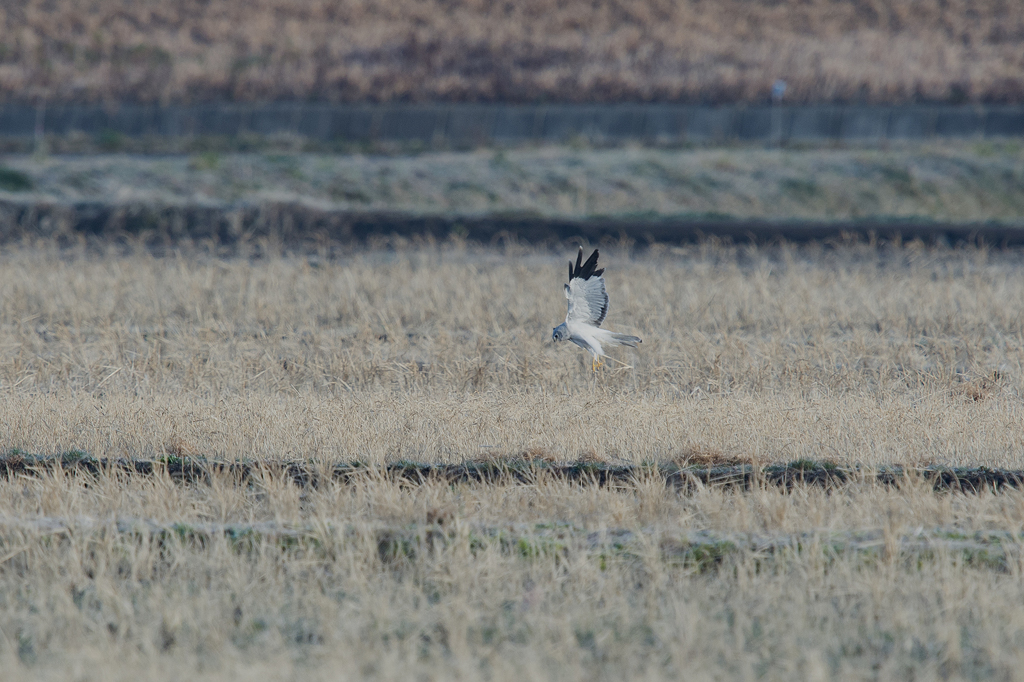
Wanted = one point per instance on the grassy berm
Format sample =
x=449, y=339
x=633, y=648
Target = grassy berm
x=440, y=353
x=941, y=181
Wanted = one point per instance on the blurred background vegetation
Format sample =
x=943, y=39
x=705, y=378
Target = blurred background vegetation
x=894, y=52
x=871, y=51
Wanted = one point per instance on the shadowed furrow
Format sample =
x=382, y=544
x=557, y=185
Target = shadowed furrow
x=683, y=476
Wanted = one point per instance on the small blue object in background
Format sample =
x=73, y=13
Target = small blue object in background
x=778, y=90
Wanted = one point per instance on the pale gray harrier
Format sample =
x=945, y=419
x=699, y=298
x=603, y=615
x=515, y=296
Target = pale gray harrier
x=588, y=304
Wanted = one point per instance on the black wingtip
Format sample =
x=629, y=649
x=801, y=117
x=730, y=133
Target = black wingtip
x=590, y=266
x=586, y=270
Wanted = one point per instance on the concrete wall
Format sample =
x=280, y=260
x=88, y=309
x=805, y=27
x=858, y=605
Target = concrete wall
x=475, y=124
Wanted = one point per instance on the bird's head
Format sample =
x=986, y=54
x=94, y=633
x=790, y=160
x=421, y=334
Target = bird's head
x=559, y=333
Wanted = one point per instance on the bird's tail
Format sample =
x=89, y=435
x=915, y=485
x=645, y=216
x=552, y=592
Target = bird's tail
x=616, y=339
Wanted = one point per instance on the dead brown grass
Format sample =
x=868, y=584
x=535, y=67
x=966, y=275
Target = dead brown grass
x=979, y=388
x=588, y=587
x=180, y=50
x=443, y=354
x=702, y=455
x=850, y=353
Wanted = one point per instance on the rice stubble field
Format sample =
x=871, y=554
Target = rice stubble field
x=851, y=354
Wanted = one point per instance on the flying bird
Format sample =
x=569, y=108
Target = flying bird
x=588, y=305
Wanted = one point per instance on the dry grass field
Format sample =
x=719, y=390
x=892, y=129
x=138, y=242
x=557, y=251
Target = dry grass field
x=565, y=599
x=444, y=353
x=441, y=353
x=541, y=50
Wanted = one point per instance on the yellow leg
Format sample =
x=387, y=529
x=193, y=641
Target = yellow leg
x=596, y=362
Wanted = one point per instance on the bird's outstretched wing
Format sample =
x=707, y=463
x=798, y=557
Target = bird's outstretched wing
x=588, y=300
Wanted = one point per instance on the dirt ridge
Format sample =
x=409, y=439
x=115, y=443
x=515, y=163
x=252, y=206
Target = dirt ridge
x=298, y=225
x=683, y=476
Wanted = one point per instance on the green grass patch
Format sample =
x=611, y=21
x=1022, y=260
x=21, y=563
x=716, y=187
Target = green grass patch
x=14, y=180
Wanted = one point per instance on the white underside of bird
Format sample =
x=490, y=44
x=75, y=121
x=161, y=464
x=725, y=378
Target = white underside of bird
x=593, y=339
